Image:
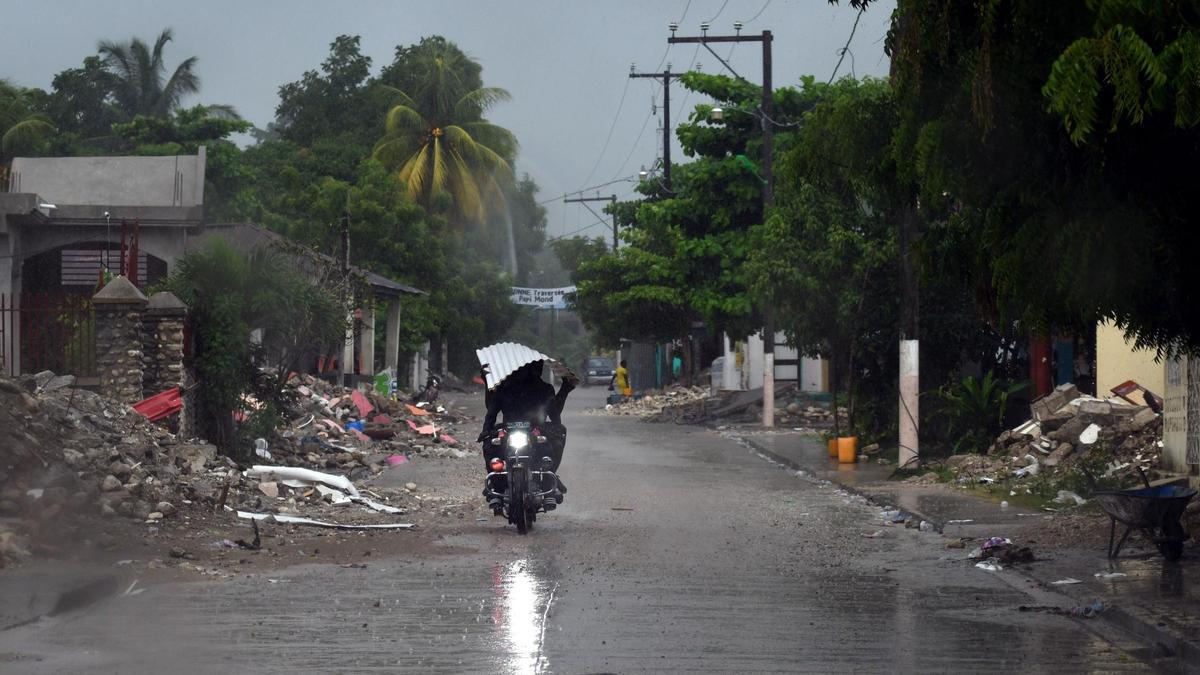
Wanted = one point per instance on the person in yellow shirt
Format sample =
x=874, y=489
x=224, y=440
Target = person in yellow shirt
x=621, y=379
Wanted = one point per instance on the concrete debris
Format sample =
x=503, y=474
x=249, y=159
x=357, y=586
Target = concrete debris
x=1067, y=428
x=72, y=452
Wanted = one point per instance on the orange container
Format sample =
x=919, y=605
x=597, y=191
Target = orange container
x=847, y=449
x=833, y=448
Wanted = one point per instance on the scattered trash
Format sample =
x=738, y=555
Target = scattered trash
x=260, y=448
x=1082, y=612
x=1065, y=582
x=926, y=526
x=1067, y=497
x=396, y=459
x=1109, y=575
x=989, y=566
x=1004, y=505
x=1090, y=435
x=960, y=521
x=872, y=535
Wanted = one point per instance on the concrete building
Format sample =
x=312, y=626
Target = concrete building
x=743, y=364
x=65, y=219
x=1117, y=361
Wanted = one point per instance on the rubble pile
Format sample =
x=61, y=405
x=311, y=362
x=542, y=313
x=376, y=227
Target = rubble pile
x=1067, y=428
x=333, y=427
x=71, y=451
x=665, y=404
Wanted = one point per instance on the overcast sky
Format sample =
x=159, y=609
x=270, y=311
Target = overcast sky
x=565, y=63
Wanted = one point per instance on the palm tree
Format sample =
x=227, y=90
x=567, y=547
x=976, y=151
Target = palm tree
x=21, y=129
x=442, y=147
x=142, y=88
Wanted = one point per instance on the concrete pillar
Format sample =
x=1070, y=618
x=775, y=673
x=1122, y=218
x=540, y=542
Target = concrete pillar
x=391, y=348
x=119, y=306
x=910, y=415
x=347, y=359
x=367, y=346
x=162, y=343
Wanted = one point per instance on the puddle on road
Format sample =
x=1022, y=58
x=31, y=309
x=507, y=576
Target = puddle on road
x=523, y=599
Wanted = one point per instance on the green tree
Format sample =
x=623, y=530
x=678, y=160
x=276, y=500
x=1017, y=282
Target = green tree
x=334, y=103
x=22, y=129
x=446, y=154
x=231, y=293
x=142, y=86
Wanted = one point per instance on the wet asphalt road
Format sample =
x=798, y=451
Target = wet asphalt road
x=676, y=550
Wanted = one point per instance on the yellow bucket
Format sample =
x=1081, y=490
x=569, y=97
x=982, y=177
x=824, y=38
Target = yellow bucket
x=833, y=448
x=847, y=449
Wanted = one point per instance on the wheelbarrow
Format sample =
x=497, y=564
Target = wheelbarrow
x=1153, y=511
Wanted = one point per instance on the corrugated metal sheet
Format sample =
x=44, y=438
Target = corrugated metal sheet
x=504, y=358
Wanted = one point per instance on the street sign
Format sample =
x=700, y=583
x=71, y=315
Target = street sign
x=542, y=297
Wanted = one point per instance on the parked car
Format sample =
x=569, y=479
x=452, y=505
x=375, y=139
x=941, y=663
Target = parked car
x=597, y=370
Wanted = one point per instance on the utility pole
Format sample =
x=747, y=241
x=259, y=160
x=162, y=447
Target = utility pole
x=584, y=200
x=665, y=76
x=765, y=112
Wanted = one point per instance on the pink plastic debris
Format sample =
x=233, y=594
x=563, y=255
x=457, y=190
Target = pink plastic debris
x=447, y=438
x=396, y=459
x=364, y=406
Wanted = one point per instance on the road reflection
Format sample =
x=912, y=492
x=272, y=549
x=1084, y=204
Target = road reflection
x=523, y=603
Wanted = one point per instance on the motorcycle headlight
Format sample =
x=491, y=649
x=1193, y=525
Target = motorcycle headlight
x=518, y=440
x=591, y=372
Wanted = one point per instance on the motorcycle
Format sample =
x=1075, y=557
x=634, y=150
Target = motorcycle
x=522, y=479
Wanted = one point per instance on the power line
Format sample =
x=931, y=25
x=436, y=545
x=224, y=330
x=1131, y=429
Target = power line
x=637, y=140
x=719, y=11
x=668, y=49
x=845, y=49
x=624, y=179
x=582, y=229
x=611, y=128
x=755, y=17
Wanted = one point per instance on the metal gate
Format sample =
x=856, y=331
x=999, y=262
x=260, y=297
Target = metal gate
x=47, y=331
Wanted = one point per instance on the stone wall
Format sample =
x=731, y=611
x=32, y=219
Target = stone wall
x=119, y=306
x=162, y=343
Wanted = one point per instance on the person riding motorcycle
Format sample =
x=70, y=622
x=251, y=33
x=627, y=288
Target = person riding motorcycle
x=525, y=397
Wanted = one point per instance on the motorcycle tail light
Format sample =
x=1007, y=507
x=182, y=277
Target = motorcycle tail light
x=497, y=465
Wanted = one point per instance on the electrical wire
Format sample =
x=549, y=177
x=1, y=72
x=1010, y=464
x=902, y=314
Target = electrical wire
x=624, y=179
x=612, y=127
x=634, y=148
x=719, y=11
x=843, y=50
x=755, y=17
x=582, y=229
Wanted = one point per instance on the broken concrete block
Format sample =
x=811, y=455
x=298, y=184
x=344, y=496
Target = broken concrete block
x=1142, y=419
x=1054, y=401
x=1060, y=453
x=1068, y=432
x=1055, y=421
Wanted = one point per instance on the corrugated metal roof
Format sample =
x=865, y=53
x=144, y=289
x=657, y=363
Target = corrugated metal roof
x=504, y=358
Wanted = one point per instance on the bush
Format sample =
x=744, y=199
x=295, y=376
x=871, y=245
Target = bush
x=229, y=294
x=975, y=409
